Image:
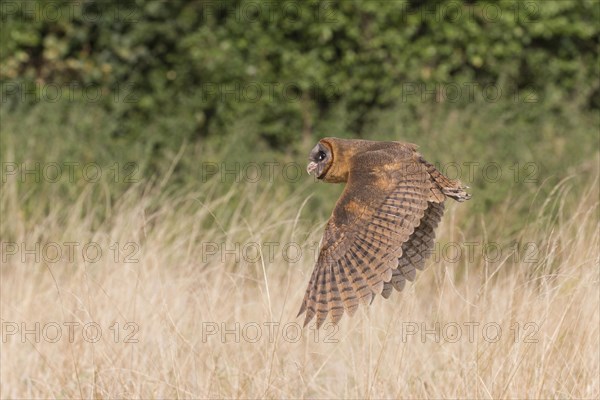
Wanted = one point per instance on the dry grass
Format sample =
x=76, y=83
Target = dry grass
x=545, y=303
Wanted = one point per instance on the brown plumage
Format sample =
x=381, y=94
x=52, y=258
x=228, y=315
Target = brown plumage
x=382, y=227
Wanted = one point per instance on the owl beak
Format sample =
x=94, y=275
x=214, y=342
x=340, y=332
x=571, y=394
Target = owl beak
x=311, y=167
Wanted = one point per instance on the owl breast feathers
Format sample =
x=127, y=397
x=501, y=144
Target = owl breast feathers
x=382, y=227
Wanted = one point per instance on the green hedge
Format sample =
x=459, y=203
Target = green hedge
x=291, y=65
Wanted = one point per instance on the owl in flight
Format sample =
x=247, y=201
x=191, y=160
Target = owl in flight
x=382, y=227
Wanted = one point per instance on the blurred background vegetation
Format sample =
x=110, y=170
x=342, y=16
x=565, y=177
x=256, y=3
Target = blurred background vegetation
x=168, y=86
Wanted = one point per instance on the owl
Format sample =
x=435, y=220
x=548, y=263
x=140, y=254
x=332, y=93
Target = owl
x=382, y=227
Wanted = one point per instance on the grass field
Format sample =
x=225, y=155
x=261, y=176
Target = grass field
x=159, y=290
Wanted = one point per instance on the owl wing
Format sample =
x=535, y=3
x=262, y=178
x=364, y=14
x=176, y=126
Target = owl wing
x=383, y=202
x=416, y=249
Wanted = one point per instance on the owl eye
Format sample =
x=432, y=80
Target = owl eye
x=321, y=156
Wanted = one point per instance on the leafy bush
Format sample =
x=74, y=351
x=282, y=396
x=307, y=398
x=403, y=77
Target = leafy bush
x=293, y=66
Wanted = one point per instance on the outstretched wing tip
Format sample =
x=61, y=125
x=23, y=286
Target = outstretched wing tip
x=306, y=321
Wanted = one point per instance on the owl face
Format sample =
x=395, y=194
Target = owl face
x=320, y=158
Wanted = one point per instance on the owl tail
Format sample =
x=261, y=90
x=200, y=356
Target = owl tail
x=457, y=193
x=449, y=187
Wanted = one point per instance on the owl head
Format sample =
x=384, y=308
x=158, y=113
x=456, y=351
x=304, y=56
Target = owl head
x=331, y=159
x=320, y=160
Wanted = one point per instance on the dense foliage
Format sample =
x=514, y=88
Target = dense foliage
x=293, y=66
